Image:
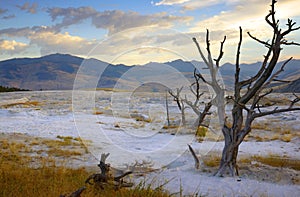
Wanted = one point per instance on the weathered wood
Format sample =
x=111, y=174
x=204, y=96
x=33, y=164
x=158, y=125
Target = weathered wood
x=167, y=108
x=247, y=93
x=197, y=162
x=105, y=178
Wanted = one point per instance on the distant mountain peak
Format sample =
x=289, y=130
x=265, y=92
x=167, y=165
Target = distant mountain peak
x=58, y=71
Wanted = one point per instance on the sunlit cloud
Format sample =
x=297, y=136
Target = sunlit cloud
x=11, y=46
x=249, y=15
x=51, y=42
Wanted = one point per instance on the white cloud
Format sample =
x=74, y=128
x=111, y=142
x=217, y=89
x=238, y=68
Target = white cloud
x=171, y=2
x=194, y=4
x=11, y=46
x=248, y=14
x=51, y=42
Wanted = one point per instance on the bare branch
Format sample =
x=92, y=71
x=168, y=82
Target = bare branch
x=239, y=104
x=282, y=81
x=176, y=96
x=197, y=93
x=197, y=162
x=194, y=107
x=257, y=98
x=200, y=51
x=284, y=42
x=208, y=48
x=259, y=41
x=275, y=111
x=296, y=100
x=290, y=25
x=237, y=68
x=221, y=53
x=259, y=73
x=203, y=79
x=276, y=74
x=273, y=23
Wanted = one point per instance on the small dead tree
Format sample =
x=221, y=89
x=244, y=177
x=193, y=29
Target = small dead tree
x=105, y=178
x=248, y=93
x=183, y=102
x=180, y=104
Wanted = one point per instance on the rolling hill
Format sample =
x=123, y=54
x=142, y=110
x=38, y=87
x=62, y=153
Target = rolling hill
x=58, y=71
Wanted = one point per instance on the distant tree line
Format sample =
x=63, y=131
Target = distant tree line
x=11, y=89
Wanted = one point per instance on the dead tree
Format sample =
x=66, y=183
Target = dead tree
x=105, y=178
x=248, y=93
x=180, y=104
x=195, y=105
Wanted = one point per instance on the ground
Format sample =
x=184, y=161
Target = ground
x=75, y=135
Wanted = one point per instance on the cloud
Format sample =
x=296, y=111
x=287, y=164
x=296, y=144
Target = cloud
x=28, y=8
x=70, y=16
x=52, y=42
x=116, y=21
x=193, y=4
x=113, y=20
x=2, y=11
x=9, y=17
x=248, y=14
x=11, y=46
x=171, y=2
x=16, y=32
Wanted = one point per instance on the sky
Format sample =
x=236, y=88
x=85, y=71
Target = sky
x=140, y=31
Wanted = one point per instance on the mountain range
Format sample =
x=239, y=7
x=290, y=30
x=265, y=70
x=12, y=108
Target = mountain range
x=58, y=71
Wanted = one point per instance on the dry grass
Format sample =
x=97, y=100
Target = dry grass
x=277, y=161
x=213, y=160
x=266, y=131
x=287, y=137
x=49, y=179
x=201, y=131
x=58, y=152
x=171, y=127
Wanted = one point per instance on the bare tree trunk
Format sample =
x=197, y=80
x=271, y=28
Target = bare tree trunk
x=228, y=160
x=183, y=114
x=248, y=93
x=167, y=106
